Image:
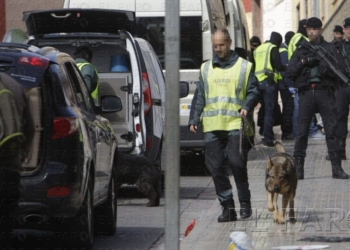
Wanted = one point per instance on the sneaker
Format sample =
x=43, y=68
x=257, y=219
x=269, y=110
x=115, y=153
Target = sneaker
x=317, y=136
x=287, y=137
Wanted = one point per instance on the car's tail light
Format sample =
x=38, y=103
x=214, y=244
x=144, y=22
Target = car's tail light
x=64, y=127
x=58, y=191
x=147, y=99
x=33, y=61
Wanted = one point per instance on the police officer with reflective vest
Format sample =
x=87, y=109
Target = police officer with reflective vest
x=83, y=59
x=315, y=82
x=267, y=65
x=16, y=133
x=227, y=91
x=343, y=92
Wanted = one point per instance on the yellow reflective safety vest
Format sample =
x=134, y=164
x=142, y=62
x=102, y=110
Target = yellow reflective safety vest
x=94, y=93
x=279, y=77
x=292, y=46
x=225, y=92
x=262, y=57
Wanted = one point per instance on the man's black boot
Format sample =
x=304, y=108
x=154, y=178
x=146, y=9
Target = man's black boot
x=338, y=173
x=342, y=150
x=246, y=209
x=299, y=165
x=228, y=212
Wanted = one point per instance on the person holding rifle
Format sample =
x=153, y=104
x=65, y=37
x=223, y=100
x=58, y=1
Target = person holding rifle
x=316, y=78
x=343, y=92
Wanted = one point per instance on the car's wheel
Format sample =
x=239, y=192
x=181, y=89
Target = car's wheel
x=78, y=232
x=106, y=214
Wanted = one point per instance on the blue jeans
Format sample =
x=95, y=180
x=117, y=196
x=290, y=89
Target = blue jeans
x=269, y=94
x=313, y=128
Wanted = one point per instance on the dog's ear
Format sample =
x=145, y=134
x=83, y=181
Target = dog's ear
x=286, y=165
x=269, y=164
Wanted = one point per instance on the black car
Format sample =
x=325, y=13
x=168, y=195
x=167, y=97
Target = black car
x=68, y=178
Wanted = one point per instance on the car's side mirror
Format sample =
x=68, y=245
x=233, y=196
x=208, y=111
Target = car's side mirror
x=184, y=89
x=110, y=104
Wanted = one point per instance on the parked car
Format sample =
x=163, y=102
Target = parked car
x=127, y=67
x=69, y=174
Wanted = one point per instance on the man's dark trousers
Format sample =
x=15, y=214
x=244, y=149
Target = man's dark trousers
x=343, y=100
x=323, y=101
x=287, y=112
x=214, y=160
x=269, y=95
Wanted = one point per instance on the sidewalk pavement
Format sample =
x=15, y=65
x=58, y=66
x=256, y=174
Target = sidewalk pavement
x=322, y=205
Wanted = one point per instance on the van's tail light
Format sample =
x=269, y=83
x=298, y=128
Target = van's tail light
x=33, y=61
x=146, y=93
x=148, y=142
x=64, y=127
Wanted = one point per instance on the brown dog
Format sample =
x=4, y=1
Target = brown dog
x=281, y=178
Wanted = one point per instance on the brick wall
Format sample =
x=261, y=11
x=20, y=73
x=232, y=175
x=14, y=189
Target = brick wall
x=247, y=5
x=337, y=18
x=2, y=19
x=15, y=8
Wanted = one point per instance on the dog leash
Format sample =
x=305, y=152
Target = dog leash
x=244, y=121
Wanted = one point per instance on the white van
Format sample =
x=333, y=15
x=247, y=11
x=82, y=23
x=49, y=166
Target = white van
x=198, y=19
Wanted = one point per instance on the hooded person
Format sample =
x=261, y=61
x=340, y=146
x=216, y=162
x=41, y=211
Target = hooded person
x=288, y=36
x=267, y=64
x=297, y=36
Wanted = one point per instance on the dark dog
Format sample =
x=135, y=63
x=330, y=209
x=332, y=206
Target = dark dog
x=281, y=178
x=138, y=170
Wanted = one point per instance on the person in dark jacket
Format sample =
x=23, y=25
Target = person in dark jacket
x=284, y=83
x=343, y=92
x=267, y=65
x=16, y=133
x=338, y=33
x=316, y=83
x=227, y=91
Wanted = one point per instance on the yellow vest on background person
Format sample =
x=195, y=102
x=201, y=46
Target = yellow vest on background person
x=280, y=50
x=225, y=92
x=262, y=57
x=292, y=46
x=94, y=93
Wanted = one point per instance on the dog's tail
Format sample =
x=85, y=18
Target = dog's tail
x=279, y=147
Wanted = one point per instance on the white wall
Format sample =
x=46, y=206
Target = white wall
x=277, y=16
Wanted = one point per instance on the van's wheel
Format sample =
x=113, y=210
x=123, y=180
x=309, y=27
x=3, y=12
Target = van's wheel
x=78, y=231
x=106, y=214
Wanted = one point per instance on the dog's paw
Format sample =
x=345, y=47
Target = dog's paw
x=271, y=207
x=275, y=216
x=281, y=220
x=292, y=217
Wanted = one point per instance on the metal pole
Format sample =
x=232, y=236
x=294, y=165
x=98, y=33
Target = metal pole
x=172, y=145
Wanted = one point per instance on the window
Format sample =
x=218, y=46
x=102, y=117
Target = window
x=67, y=88
x=152, y=29
x=74, y=83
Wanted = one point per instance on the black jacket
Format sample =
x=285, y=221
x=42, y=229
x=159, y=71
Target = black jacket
x=301, y=73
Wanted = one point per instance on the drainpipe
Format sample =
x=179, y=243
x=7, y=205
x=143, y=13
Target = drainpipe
x=316, y=10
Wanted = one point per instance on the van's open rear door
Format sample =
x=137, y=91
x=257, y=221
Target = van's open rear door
x=129, y=5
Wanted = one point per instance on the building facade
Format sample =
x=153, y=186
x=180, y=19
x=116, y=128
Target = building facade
x=11, y=12
x=331, y=12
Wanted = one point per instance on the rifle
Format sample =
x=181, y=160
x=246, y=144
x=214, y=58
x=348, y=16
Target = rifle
x=321, y=53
